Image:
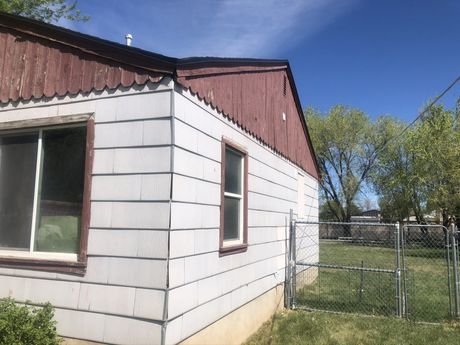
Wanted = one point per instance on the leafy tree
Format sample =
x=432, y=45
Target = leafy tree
x=47, y=11
x=436, y=145
x=367, y=204
x=391, y=179
x=420, y=172
x=346, y=142
x=325, y=213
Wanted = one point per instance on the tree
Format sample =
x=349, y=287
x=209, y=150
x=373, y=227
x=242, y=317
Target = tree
x=420, y=172
x=442, y=150
x=346, y=142
x=47, y=11
x=367, y=204
x=325, y=213
x=390, y=177
x=435, y=149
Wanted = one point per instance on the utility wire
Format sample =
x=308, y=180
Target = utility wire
x=420, y=115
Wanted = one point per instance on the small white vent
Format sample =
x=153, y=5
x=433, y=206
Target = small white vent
x=129, y=39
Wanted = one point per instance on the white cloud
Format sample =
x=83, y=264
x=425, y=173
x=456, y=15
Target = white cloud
x=260, y=28
x=250, y=28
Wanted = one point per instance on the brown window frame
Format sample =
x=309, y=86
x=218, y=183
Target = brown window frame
x=242, y=247
x=77, y=267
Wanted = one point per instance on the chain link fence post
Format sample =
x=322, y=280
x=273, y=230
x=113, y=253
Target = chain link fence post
x=398, y=241
x=292, y=260
x=287, y=270
x=449, y=250
x=456, y=263
x=404, y=275
x=289, y=278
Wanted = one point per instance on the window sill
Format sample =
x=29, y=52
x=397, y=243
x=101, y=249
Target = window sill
x=38, y=255
x=64, y=264
x=235, y=249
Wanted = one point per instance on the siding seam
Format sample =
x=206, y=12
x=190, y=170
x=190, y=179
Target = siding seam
x=254, y=244
x=191, y=98
x=130, y=147
x=229, y=292
x=229, y=270
x=59, y=279
x=259, y=144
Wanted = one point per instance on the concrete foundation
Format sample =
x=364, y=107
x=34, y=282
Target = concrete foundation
x=237, y=326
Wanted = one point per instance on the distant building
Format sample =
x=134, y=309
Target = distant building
x=433, y=217
x=369, y=216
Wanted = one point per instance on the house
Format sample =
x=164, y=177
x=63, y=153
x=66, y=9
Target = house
x=369, y=216
x=146, y=197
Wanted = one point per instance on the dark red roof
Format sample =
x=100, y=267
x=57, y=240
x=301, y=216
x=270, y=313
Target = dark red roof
x=38, y=59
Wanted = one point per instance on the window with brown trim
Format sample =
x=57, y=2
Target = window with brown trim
x=44, y=199
x=234, y=199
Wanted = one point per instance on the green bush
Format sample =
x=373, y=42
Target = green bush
x=26, y=325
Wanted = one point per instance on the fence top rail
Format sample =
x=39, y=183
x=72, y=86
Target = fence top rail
x=349, y=268
x=306, y=221
x=439, y=226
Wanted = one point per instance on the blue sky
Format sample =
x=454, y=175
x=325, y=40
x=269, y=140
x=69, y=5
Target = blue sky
x=384, y=57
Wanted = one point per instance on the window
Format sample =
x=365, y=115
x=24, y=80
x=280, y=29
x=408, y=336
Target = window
x=234, y=201
x=43, y=204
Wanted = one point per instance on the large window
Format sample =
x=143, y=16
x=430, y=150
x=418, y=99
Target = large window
x=42, y=183
x=233, y=237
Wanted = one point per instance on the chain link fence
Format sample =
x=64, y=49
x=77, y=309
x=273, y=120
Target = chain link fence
x=375, y=269
x=429, y=272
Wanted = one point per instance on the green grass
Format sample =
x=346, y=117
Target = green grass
x=304, y=328
x=374, y=292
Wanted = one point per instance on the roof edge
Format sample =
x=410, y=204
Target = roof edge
x=149, y=61
x=195, y=62
x=302, y=118
x=208, y=66
x=100, y=47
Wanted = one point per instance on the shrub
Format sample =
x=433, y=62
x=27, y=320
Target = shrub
x=26, y=325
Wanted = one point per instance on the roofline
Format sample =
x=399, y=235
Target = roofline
x=302, y=117
x=247, y=66
x=198, y=62
x=116, y=52
x=143, y=59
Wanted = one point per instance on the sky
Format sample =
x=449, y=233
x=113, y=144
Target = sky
x=383, y=57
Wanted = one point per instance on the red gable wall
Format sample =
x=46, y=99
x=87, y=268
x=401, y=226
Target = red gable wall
x=32, y=67
x=254, y=98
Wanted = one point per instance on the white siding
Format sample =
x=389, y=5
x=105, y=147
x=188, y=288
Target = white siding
x=120, y=299
x=148, y=192
x=205, y=286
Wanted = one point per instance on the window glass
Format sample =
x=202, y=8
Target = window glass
x=233, y=166
x=61, y=192
x=231, y=218
x=233, y=198
x=18, y=160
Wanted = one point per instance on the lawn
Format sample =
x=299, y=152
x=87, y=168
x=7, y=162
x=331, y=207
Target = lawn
x=374, y=293
x=303, y=328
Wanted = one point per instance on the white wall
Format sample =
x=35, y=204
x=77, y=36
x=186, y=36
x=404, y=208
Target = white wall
x=135, y=200
x=120, y=300
x=204, y=287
